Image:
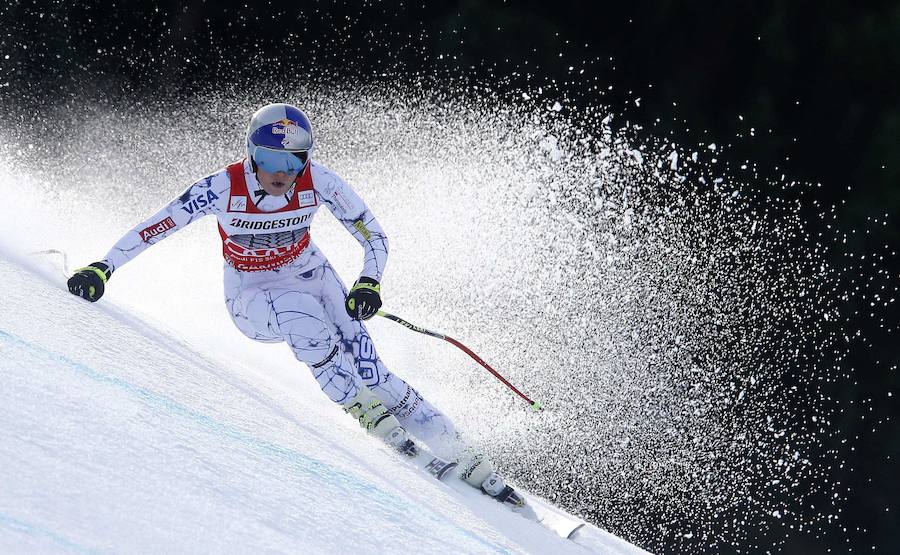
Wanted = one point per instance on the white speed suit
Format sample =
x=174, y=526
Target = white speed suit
x=279, y=286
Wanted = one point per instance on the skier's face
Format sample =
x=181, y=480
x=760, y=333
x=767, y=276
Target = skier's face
x=275, y=183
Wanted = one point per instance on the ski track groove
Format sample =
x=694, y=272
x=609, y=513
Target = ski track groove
x=38, y=532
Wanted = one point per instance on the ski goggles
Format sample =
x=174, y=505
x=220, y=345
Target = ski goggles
x=274, y=161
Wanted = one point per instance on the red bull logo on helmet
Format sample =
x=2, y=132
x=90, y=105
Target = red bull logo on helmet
x=280, y=127
x=286, y=127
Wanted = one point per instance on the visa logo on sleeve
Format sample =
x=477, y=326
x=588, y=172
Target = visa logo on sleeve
x=199, y=202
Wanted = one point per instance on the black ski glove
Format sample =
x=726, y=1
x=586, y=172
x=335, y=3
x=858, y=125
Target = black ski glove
x=364, y=299
x=90, y=282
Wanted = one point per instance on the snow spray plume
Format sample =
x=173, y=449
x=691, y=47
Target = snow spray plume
x=641, y=294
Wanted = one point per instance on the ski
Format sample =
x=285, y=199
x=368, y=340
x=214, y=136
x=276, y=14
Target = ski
x=419, y=456
x=576, y=530
x=527, y=506
x=437, y=467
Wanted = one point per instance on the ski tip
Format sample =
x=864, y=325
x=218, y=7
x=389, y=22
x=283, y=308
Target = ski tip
x=535, y=406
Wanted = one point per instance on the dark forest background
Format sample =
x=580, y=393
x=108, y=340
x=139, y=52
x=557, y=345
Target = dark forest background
x=817, y=82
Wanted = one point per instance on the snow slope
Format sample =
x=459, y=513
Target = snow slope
x=115, y=436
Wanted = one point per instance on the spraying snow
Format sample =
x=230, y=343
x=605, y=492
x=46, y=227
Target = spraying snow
x=621, y=282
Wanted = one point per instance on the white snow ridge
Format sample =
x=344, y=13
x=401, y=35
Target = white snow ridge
x=116, y=437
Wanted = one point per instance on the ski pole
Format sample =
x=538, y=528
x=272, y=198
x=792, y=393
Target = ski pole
x=534, y=404
x=65, y=258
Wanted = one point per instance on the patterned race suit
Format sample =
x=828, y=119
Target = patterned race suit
x=279, y=286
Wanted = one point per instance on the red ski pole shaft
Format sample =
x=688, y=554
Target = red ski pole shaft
x=534, y=404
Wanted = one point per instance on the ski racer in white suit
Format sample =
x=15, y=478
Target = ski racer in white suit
x=279, y=286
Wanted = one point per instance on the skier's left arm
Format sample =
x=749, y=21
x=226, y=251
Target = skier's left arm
x=200, y=199
x=365, y=295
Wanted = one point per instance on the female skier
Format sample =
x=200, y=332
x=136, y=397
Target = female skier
x=280, y=287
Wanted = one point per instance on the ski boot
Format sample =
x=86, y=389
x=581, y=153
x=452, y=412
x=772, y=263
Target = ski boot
x=399, y=439
x=376, y=420
x=494, y=486
x=478, y=472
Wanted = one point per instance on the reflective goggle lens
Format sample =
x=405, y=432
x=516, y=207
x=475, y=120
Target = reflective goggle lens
x=274, y=161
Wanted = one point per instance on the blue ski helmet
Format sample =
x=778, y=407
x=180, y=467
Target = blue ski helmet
x=279, y=138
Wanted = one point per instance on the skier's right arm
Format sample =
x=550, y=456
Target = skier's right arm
x=200, y=199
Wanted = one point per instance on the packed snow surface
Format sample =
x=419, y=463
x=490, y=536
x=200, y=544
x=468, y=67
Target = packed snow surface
x=119, y=437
